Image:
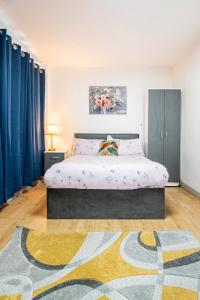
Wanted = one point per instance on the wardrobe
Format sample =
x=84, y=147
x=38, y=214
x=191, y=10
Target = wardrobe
x=164, y=116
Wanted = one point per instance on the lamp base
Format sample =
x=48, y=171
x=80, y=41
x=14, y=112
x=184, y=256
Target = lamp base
x=51, y=149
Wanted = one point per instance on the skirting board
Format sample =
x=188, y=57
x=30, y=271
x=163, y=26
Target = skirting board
x=173, y=184
x=190, y=189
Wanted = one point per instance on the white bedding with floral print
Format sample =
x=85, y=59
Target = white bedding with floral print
x=103, y=172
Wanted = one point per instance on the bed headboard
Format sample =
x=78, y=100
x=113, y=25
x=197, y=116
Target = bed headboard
x=103, y=136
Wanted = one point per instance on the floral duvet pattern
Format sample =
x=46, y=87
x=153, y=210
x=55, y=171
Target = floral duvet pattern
x=105, y=172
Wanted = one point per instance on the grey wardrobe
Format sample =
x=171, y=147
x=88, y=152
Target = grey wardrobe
x=164, y=111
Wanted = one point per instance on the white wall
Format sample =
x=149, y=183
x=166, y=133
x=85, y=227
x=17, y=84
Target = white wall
x=186, y=75
x=18, y=37
x=67, y=99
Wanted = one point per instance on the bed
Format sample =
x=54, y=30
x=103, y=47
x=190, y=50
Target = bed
x=96, y=187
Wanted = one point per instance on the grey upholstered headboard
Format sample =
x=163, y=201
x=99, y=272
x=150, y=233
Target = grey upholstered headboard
x=103, y=136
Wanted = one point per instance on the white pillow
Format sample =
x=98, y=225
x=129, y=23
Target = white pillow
x=110, y=138
x=86, y=146
x=130, y=147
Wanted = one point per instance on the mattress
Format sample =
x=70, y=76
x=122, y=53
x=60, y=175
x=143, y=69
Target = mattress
x=106, y=172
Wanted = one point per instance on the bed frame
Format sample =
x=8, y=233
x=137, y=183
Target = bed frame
x=144, y=203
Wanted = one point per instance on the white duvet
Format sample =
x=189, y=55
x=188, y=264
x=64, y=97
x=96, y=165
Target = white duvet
x=106, y=172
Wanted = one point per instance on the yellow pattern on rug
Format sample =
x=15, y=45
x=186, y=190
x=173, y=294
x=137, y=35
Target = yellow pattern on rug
x=174, y=293
x=105, y=267
x=100, y=266
x=172, y=255
x=148, y=238
x=11, y=297
x=61, y=248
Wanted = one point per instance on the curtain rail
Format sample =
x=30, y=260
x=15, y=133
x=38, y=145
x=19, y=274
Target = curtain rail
x=23, y=53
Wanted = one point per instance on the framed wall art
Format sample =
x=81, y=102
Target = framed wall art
x=108, y=100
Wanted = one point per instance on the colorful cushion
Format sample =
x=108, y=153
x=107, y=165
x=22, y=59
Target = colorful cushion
x=108, y=148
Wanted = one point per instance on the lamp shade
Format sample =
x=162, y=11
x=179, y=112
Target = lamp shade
x=51, y=129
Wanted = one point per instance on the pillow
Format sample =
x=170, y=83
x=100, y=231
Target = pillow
x=108, y=148
x=130, y=147
x=110, y=138
x=86, y=146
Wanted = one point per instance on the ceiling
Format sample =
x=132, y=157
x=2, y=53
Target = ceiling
x=107, y=33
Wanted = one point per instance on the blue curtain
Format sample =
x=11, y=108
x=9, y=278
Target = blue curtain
x=16, y=116
x=5, y=116
x=22, y=96
x=42, y=128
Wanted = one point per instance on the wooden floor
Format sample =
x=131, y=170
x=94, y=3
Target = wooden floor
x=29, y=210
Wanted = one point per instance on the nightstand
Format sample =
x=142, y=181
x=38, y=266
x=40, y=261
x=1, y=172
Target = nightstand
x=53, y=157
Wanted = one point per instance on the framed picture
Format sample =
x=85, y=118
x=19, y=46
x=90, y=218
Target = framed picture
x=108, y=100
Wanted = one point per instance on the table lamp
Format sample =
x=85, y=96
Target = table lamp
x=51, y=130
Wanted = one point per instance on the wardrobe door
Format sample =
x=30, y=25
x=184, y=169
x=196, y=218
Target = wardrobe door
x=172, y=106
x=156, y=125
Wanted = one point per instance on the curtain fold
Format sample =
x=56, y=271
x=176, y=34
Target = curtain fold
x=5, y=115
x=23, y=128
x=22, y=96
x=15, y=117
x=42, y=113
x=29, y=157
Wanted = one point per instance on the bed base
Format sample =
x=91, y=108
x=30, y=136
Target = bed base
x=65, y=203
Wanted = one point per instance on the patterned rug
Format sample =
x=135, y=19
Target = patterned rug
x=100, y=265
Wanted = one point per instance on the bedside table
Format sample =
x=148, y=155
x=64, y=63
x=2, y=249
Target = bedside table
x=53, y=157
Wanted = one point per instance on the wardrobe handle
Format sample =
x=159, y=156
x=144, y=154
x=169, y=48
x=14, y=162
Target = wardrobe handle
x=166, y=135
x=161, y=135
